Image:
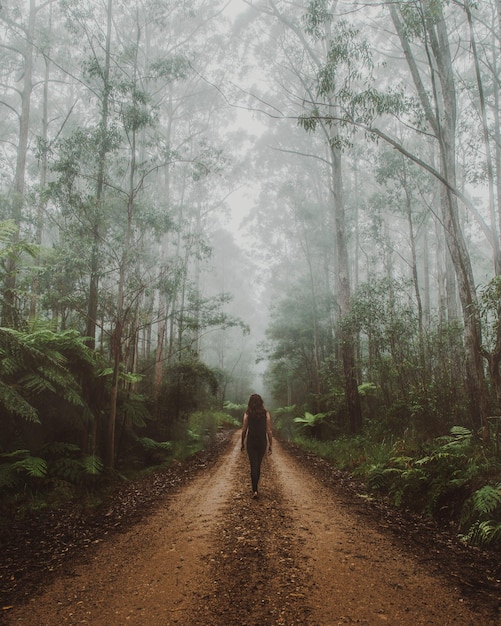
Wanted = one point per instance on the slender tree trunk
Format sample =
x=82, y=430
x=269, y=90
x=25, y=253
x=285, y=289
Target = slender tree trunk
x=441, y=274
x=95, y=264
x=441, y=115
x=9, y=291
x=415, y=278
x=487, y=145
x=426, y=276
x=346, y=337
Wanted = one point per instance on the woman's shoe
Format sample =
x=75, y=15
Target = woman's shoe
x=255, y=495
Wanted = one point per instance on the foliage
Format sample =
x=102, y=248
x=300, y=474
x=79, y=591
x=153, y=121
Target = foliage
x=231, y=406
x=200, y=430
x=481, y=516
x=188, y=384
x=283, y=421
x=453, y=477
x=444, y=482
x=17, y=464
x=56, y=463
x=41, y=371
x=309, y=420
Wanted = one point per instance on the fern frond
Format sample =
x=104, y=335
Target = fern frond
x=231, y=406
x=36, y=384
x=483, y=533
x=14, y=403
x=15, y=454
x=491, y=531
x=67, y=469
x=151, y=444
x=8, y=476
x=310, y=420
x=33, y=466
x=73, y=397
x=136, y=411
x=59, y=448
x=380, y=478
x=92, y=465
x=8, y=230
x=486, y=500
x=460, y=431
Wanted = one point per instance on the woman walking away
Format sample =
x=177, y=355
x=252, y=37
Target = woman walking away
x=257, y=427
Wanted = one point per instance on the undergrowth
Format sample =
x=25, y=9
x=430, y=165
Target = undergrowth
x=58, y=474
x=454, y=478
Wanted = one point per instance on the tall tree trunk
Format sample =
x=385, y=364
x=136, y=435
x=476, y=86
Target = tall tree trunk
x=441, y=116
x=9, y=291
x=414, y=271
x=43, y=182
x=95, y=264
x=487, y=144
x=347, y=343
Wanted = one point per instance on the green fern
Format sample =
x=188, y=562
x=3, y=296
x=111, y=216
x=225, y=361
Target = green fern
x=381, y=478
x=309, y=420
x=486, y=500
x=481, y=515
x=92, y=465
x=136, y=411
x=20, y=463
x=59, y=448
x=151, y=444
x=33, y=466
x=67, y=469
x=483, y=533
x=13, y=402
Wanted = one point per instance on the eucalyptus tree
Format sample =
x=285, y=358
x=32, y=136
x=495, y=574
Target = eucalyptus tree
x=112, y=182
x=307, y=73
x=398, y=179
x=426, y=21
x=424, y=38
x=21, y=29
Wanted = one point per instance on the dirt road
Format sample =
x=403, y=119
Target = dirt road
x=211, y=555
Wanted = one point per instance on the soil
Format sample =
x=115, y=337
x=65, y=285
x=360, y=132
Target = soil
x=190, y=546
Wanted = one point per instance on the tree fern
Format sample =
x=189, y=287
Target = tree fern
x=40, y=371
x=309, y=420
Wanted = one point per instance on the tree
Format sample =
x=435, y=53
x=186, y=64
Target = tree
x=440, y=113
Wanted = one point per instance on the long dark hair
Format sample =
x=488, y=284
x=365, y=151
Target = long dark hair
x=256, y=404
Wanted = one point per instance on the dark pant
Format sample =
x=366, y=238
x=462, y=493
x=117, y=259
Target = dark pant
x=256, y=454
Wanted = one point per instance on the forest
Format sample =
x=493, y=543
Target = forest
x=200, y=199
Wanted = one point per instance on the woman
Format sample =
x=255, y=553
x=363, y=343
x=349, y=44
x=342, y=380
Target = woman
x=257, y=426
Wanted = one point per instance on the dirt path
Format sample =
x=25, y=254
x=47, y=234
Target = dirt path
x=213, y=556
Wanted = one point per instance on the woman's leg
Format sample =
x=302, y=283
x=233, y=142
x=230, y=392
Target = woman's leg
x=255, y=458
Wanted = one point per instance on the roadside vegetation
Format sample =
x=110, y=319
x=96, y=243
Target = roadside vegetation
x=455, y=478
x=54, y=396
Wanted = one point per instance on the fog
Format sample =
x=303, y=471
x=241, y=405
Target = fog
x=303, y=195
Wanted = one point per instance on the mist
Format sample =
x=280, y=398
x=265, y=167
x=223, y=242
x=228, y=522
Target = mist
x=299, y=199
